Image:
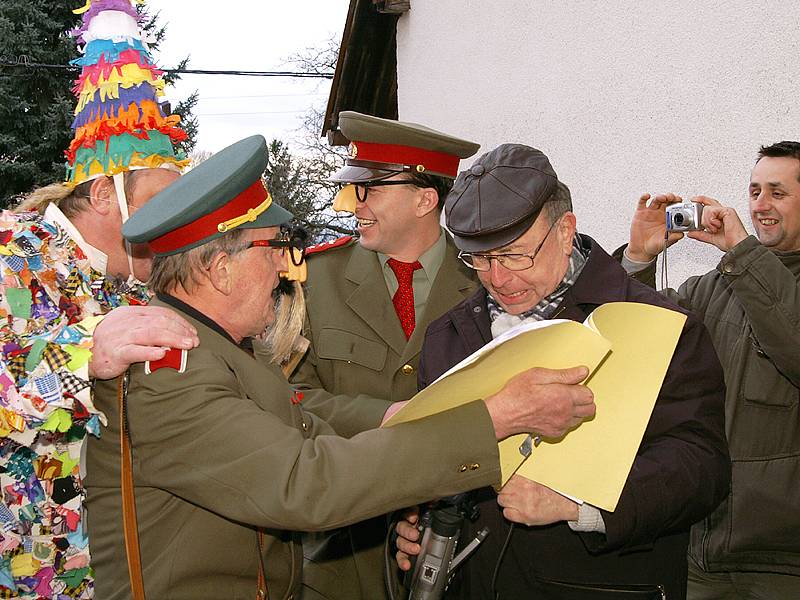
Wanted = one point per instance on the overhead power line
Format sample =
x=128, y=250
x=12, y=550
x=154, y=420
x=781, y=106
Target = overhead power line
x=23, y=63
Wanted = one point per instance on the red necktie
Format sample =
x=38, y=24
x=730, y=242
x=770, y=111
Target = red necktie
x=403, y=299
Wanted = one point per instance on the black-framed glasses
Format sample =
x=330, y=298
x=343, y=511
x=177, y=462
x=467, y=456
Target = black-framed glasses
x=511, y=261
x=294, y=243
x=362, y=189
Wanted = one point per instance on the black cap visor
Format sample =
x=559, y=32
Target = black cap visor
x=486, y=242
x=362, y=171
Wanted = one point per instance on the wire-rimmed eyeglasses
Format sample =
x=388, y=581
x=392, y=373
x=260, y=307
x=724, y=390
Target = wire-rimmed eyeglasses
x=511, y=261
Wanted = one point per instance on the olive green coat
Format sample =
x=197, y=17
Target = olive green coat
x=221, y=450
x=358, y=348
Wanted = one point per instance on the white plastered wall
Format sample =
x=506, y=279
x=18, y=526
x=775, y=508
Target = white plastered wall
x=624, y=97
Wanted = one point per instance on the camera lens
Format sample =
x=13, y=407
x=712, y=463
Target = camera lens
x=678, y=219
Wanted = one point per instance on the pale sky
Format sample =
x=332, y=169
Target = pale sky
x=256, y=35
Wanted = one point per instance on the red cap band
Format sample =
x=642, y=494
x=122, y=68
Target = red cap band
x=439, y=162
x=208, y=225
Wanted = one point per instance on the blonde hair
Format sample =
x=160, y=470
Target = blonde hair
x=71, y=201
x=283, y=338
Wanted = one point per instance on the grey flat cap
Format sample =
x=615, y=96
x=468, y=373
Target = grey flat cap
x=499, y=197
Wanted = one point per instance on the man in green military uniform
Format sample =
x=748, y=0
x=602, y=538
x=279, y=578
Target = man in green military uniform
x=399, y=175
x=227, y=465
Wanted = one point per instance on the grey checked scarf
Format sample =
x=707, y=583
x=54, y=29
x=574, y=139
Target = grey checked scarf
x=502, y=321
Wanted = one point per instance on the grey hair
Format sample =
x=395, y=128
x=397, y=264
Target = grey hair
x=559, y=203
x=184, y=269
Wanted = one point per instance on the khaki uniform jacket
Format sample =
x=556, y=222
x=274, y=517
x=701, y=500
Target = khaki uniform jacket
x=358, y=348
x=221, y=451
x=357, y=345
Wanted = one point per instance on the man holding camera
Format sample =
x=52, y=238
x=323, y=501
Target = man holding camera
x=513, y=221
x=750, y=546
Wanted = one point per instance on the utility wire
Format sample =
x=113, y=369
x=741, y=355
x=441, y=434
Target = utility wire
x=294, y=74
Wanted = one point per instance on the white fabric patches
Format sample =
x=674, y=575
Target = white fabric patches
x=112, y=25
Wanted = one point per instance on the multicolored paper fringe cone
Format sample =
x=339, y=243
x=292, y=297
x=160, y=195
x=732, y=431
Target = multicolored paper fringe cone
x=119, y=124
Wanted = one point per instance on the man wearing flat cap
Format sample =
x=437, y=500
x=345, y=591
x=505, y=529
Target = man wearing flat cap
x=226, y=465
x=512, y=220
x=369, y=302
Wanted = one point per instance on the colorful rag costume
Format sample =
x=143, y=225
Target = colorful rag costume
x=51, y=296
x=54, y=289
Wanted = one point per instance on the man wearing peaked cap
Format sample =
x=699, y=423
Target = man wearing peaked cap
x=365, y=327
x=512, y=220
x=227, y=465
x=207, y=203
x=380, y=148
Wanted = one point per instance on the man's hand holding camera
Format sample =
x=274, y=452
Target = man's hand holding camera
x=649, y=226
x=721, y=225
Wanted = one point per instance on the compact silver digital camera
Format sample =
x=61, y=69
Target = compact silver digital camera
x=687, y=216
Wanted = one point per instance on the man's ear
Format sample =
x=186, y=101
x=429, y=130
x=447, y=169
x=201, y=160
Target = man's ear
x=427, y=201
x=566, y=231
x=220, y=274
x=102, y=195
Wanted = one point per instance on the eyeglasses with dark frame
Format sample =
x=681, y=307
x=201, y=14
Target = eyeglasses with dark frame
x=511, y=261
x=295, y=243
x=364, y=187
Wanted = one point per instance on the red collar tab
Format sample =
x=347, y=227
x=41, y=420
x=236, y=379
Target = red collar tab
x=175, y=358
x=418, y=159
x=209, y=224
x=328, y=245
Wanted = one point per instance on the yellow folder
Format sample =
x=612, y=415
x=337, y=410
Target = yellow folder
x=636, y=341
x=592, y=462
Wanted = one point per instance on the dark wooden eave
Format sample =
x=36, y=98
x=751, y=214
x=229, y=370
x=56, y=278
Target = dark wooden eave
x=366, y=70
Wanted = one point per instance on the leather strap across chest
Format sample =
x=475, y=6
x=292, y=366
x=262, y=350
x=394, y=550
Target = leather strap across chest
x=129, y=520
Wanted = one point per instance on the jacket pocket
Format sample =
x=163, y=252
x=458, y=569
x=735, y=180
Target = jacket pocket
x=561, y=590
x=763, y=506
x=764, y=384
x=340, y=345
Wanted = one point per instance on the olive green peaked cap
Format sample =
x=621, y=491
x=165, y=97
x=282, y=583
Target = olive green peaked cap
x=220, y=194
x=381, y=148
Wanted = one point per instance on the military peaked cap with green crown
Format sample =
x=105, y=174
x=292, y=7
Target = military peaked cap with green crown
x=380, y=148
x=220, y=194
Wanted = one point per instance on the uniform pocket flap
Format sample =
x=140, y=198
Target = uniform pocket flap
x=337, y=344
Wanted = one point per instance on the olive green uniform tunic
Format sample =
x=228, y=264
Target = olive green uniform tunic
x=358, y=348
x=221, y=451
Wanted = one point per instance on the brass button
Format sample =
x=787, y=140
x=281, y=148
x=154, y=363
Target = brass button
x=474, y=467
x=462, y=468
x=728, y=268
x=407, y=369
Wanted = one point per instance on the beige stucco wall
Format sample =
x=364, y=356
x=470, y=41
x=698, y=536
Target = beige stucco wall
x=624, y=96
